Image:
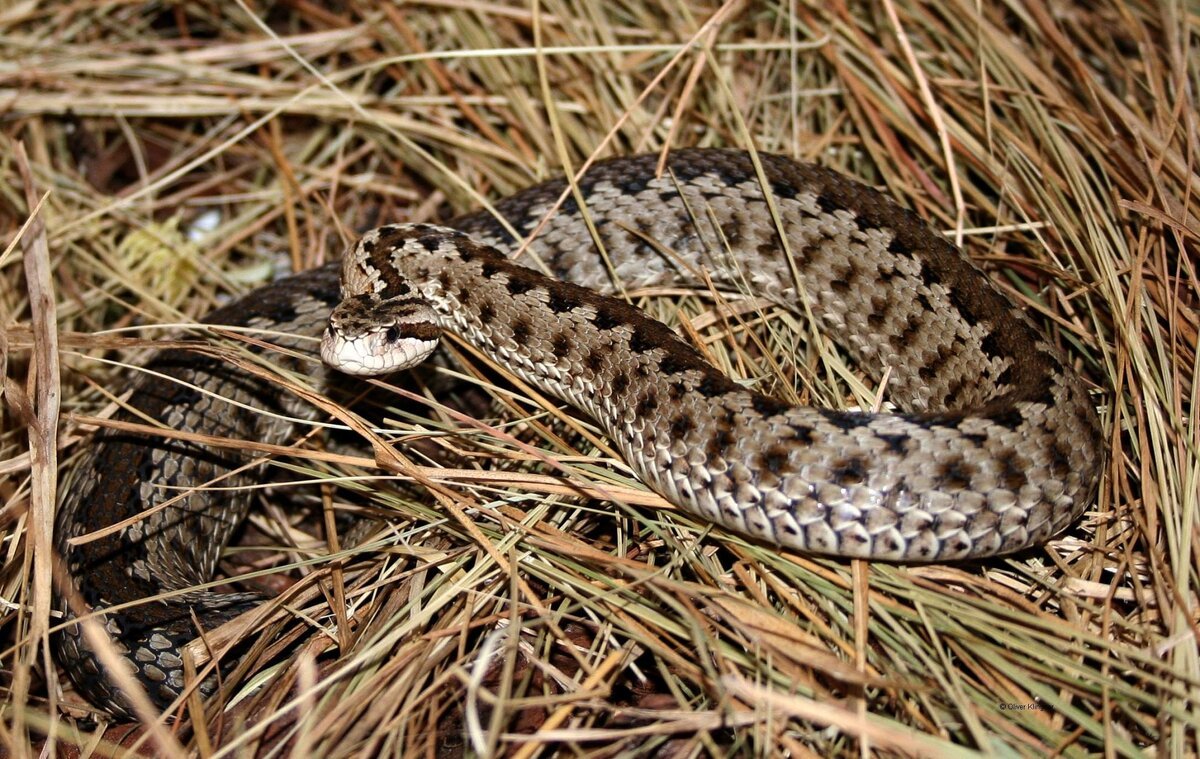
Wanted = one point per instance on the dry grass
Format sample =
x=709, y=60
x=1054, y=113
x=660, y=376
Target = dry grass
x=499, y=613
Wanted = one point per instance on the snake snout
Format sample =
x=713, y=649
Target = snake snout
x=368, y=335
x=377, y=352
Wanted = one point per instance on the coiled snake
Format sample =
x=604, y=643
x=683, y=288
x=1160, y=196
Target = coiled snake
x=998, y=447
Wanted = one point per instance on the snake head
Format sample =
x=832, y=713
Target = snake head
x=369, y=335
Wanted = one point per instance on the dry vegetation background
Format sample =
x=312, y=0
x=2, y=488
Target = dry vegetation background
x=192, y=151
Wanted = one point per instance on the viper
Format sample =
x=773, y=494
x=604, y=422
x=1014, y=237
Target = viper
x=994, y=445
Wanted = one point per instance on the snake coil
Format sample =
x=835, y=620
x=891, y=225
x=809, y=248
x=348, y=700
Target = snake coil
x=996, y=446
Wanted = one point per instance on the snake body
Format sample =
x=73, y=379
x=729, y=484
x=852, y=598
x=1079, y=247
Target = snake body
x=996, y=446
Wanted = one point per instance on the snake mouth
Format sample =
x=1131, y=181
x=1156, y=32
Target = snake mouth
x=374, y=354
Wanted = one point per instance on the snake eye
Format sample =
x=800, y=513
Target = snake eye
x=392, y=334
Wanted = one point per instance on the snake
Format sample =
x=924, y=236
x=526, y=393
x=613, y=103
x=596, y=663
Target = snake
x=991, y=443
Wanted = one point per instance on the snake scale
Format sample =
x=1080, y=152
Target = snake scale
x=996, y=446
